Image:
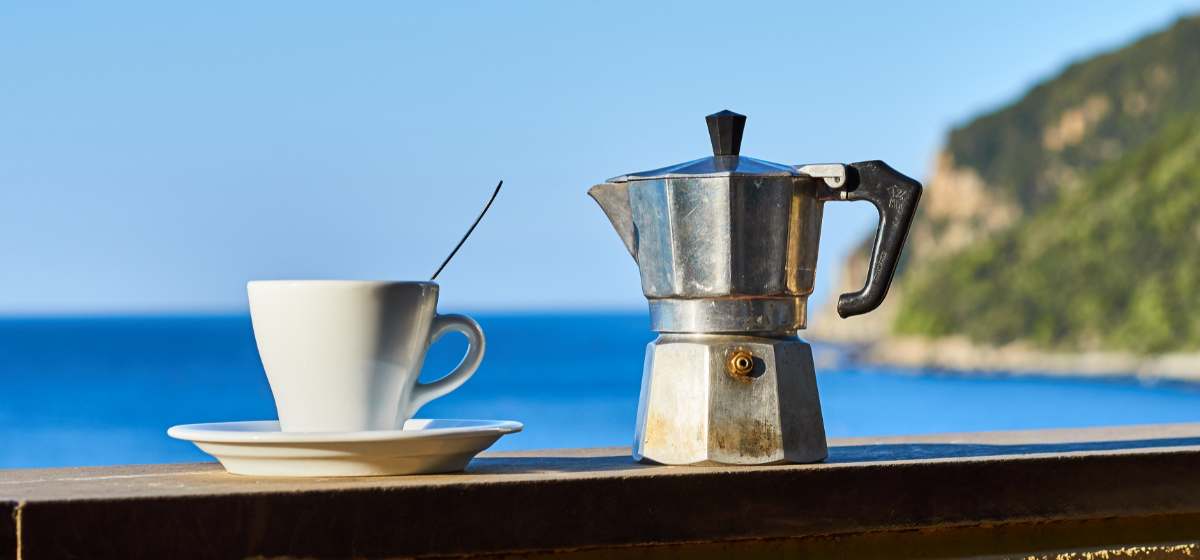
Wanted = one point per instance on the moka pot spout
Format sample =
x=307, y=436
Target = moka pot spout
x=613, y=198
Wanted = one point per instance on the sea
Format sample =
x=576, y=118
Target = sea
x=104, y=390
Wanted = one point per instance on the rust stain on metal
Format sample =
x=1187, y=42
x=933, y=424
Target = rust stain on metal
x=661, y=431
x=748, y=439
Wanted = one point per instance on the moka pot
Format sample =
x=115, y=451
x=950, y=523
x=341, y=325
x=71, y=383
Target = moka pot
x=726, y=247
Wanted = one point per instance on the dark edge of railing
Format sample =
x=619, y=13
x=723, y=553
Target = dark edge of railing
x=8, y=530
x=573, y=513
x=1056, y=540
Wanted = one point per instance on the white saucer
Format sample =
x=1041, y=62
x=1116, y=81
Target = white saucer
x=423, y=446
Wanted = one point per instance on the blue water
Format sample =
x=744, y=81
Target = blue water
x=102, y=391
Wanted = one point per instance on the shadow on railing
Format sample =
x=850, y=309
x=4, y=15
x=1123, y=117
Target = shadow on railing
x=843, y=454
x=566, y=463
x=917, y=451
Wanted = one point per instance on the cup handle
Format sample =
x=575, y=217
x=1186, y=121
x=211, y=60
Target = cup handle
x=442, y=324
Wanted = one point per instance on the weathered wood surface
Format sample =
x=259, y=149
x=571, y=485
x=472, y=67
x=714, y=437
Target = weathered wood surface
x=588, y=498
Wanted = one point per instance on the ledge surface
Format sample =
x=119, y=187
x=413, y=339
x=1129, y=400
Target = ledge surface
x=596, y=498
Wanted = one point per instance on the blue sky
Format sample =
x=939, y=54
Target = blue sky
x=155, y=156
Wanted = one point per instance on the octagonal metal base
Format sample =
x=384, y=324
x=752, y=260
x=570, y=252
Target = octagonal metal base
x=694, y=410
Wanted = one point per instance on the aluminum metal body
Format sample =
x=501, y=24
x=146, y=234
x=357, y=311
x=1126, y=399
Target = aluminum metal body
x=727, y=254
x=726, y=248
x=694, y=411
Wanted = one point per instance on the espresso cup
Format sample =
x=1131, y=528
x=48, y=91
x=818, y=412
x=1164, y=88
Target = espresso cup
x=344, y=356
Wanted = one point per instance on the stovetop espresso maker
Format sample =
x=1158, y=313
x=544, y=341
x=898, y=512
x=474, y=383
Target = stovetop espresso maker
x=727, y=250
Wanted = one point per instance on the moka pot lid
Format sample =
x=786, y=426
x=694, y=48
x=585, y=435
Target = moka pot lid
x=725, y=132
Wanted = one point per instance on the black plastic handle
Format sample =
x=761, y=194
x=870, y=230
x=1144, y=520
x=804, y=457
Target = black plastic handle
x=895, y=196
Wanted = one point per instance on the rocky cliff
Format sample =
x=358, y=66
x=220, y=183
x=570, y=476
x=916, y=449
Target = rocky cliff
x=1065, y=222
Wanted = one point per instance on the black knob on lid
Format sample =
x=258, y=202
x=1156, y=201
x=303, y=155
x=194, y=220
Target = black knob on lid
x=725, y=131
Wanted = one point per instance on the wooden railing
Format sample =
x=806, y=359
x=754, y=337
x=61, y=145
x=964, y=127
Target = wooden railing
x=1132, y=492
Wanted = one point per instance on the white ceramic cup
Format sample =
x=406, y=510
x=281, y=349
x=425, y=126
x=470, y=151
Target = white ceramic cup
x=344, y=356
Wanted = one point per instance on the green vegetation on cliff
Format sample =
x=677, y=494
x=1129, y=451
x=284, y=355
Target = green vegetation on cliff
x=1103, y=164
x=1116, y=263
x=1091, y=113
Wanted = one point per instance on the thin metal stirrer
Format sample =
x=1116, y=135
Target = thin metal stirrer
x=469, y=230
